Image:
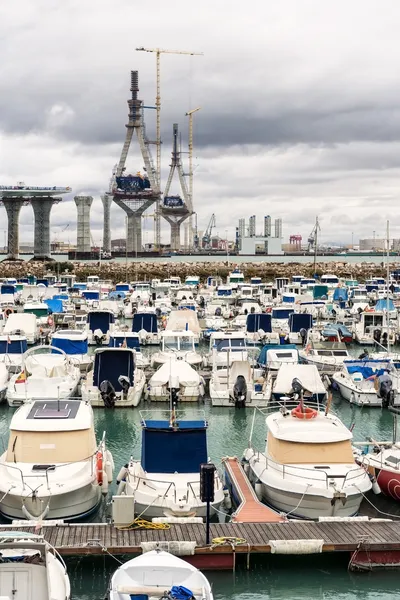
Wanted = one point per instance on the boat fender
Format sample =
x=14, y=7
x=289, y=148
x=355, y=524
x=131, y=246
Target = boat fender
x=227, y=499
x=122, y=473
x=375, y=485
x=246, y=466
x=258, y=489
x=50, y=321
x=99, y=467
x=108, y=471
x=121, y=488
x=104, y=487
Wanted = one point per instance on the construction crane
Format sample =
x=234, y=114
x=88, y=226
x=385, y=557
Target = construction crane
x=58, y=233
x=190, y=115
x=313, y=240
x=158, y=52
x=206, y=239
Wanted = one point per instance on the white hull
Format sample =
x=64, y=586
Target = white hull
x=253, y=400
x=356, y=395
x=46, y=392
x=155, y=396
x=192, y=358
x=91, y=394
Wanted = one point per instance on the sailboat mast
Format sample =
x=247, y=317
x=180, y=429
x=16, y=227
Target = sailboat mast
x=387, y=287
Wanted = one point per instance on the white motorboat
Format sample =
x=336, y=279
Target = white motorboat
x=166, y=480
x=227, y=346
x=307, y=375
x=100, y=325
x=308, y=469
x=328, y=357
x=238, y=384
x=177, y=377
x=31, y=569
x=39, y=309
x=53, y=468
x=178, y=344
x=358, y=382
x=184, y=320
x=146, y=326
x=259, y=329
x=157, y=574
x=115, y=381
x=22, y=324
x=273, y=355
x=74, y=342
x=46, y=372
x=4, y=375
x=129, y=339
x=373, y=327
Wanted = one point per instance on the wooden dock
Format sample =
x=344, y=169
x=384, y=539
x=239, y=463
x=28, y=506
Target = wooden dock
x=249, y=508
x=367, y=543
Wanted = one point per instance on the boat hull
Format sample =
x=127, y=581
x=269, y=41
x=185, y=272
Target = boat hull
x=389, y=482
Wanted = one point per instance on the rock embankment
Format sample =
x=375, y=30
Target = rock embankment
x=119, y=271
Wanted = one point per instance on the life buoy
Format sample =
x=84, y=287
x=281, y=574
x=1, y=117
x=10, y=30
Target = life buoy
x=99, y=467
x=50, y=321
x=304, y=412
x=268, y=309
x=8, y=312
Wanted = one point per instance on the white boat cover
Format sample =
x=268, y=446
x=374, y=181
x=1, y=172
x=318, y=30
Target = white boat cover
x=180, y=320
x=307, y=374
x=175, y=370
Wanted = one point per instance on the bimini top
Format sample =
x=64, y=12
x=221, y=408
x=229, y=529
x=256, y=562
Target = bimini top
x=146, y=321
x=13, y=344
x=110, y=363
x=124, y=339
x=51, y=415
x=167, y=449
x=72, y=341
x=100, y=319
x=299, y=321
x=257, y=321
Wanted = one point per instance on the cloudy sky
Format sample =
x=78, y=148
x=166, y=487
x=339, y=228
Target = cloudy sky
x=300, y=106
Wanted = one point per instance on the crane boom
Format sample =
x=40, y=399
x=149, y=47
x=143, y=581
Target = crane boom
x=207, y=234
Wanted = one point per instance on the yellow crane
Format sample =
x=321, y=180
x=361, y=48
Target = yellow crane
x=158, y=52
x=190, y=114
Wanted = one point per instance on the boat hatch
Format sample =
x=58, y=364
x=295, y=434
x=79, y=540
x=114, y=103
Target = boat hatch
x=53, y=410
x=44, y=468
x=393, y=459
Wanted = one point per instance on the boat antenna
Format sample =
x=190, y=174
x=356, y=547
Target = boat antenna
x=387, y=287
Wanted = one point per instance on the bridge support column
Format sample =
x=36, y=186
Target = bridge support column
x=83, y=204
x=175, y=223
x=134, y=233
x=41, y=241
x=13, y=208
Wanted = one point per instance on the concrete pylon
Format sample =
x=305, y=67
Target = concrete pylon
x=83, y=241
x=41, y=241
x=13, y=208
x=175, y=224
x=134, y=233
x=106, y=200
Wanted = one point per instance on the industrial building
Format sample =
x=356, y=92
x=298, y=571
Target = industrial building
x=250, y=243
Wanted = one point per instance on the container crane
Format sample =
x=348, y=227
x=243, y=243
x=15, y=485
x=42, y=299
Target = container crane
x=158, y=52
x=206, y=240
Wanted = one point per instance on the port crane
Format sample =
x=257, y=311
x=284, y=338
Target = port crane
x=206, y=239
x=158, y=52
x=313, y=241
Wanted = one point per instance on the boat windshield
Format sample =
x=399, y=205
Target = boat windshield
x=292, y=453
x=50, y=447
x=179, y=343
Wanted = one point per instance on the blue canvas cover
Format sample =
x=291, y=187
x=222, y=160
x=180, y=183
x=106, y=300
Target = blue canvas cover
x=100, y=320
x=13, y=347
x=224, y=292
x=7, y=289
x=118, y=295
x=320, y=291
x=116, y=341
x=60, y=297
x=70, y=346
x=367, y=368
x=79, y=286
x=54, y=305
x=262, y=359
x=288, y=299
x=91, y=294
x=299, y=321
x=146, y=321
x=382, y=305
x=282, y=314
x=110, y=364
x=168, y=450
x=122, y=287
x=256, y=321
x=341, y=294
x=42, y=282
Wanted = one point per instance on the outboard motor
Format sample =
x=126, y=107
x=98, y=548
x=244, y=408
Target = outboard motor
x=218, y=311
x=202, y=302
x=240, y=392
x=384, y=339
x=385, y=390
x=107, y=392
x=303, y=336
x=297, y=387
x=377, y=335
x=98, y=336
x=158, y=312
x=124, y=382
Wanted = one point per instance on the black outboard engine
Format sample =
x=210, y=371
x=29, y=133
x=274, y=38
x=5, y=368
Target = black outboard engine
x=377, y=335
x=158, y=312
x=107, y=393
x=385, y=390
x=303, y=335
x=297, y=387
x=174, y=394
x=240, y=392
x=384, y=339
x=99, y=336
x=364, y=355
x=202, y=302
x=218, y=311
x=124, y=382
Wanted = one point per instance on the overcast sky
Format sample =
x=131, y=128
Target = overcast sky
x=299, y=101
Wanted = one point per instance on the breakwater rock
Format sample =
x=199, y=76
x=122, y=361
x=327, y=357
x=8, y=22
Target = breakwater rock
x=145, y=270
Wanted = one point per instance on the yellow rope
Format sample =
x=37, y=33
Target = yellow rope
x=233, y=541
x=143, y=524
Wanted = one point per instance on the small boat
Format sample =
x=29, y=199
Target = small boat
x=358, y=382
x=273, y=355
x=299, y=325
x=115, y=381
x=157, y=574
x=373, y=328
x=334, y=332
x=177, y=344
x=179, y=376
x=146, y=326
x=166, y=480
x=129, y=339
x=308, y=375
x=46, y=372
x=238, y=384
x=53, y=468
x=30, y=568
x=22, y=324
x=328, y=357
x=74, y=342
x=259, y=329
x=308, y=469
x=100, y=324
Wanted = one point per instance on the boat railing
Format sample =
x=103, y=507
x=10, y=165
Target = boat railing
x=146, y=482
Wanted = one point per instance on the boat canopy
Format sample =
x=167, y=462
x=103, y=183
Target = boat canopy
x=382, y=305
x=298, y=321
x=341, y=294
x=109, y=364
x=117, y=295
x=70, y=344
x=54, y=305
x=122, y=287
x=320, y=291
x=368, y=368
x=13, y=346
x=263, y=357
x=8, y=289
x=91, y=294
x=79, y=286
x=281, y=313
x=123, y=340
x=257, y=321
x=100, y=320
x=167, y=449
x=146, y=321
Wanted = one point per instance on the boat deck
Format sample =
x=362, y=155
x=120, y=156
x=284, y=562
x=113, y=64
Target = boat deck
x=249, y=508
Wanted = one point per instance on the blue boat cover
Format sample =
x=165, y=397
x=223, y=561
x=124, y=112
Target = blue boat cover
x=122, y=287
x=42, y=282
x=119, y=340
x=256, y=321
x=180, y=592
x=79, y=286
x=382, y=305
x=299, y=321
x=110, y=364
x=167, y=450
x=70, y=346
x=13, y=347
x=54, y=305
x=367, y=368
x=100, y=320
x=91, y=294
x=60, y=297
x=288, y=299
x=186, y=307
x=281, y=314
x=117, y=295
x=320, y=291
x=146, y=321
x=262, y=359
x=332, y=328
x=7, y=289
x=340, y=294
x=224, y=292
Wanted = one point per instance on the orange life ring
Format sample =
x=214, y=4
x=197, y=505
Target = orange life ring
x=8, y=312
x=304, y=412
x=268, y=309
x=99, y=467
x=50, y=321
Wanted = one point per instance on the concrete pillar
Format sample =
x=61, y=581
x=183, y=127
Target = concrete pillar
x=83, y=240
x=13, y=208
x=106, y=199
x=134, y=233
x=175, y=224
x=41, y=241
